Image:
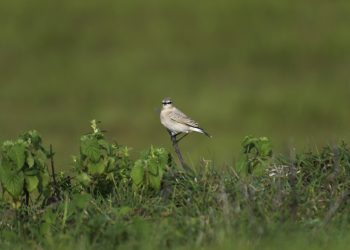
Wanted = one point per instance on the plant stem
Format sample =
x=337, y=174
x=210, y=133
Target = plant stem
x=26, y=193
x=65, y=212
x=57, y=191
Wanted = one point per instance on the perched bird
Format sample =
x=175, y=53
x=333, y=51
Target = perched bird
x=177, y=122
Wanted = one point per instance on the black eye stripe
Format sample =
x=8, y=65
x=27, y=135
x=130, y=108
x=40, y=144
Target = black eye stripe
x=167, y=102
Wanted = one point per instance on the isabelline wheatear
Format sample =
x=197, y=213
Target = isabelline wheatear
x=177, y=122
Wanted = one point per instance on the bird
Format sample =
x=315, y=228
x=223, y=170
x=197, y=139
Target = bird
x=176, y=122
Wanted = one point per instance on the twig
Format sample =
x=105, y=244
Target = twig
x=293, y=185
x=65, y=212
x=26, y=193
x=177, y=150
x=57, y=191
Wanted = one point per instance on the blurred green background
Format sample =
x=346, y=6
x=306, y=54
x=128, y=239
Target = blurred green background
x=273, y=68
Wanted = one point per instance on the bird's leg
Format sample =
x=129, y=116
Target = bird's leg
x=171, y=133
x=178, y=140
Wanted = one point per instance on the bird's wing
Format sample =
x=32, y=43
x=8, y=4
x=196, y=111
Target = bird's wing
x=177, y=116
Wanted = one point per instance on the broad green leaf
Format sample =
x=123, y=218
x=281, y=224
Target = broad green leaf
x=31, y=183
x=103, y=143
x=96, y=168
x=13, y=183
x=41, y=158
x=162, y=157
x=31, y=171
x=5, y=170
x=5, y=165
x=30, y=160
x=8, y=198
x=111, y=164
x=33, y=136
x=265, y=147
x=45, y=179
x=155, y=181
x=153, y=168
x=90, y=148
x=249, y=143
x=137, y=173
x=159, y=155
x=84, y=179
x=17, y=154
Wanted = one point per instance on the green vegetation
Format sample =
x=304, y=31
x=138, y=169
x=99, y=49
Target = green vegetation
x=109, y=201
x=24, y=168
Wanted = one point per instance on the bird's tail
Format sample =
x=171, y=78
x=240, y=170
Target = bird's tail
x=202, y=131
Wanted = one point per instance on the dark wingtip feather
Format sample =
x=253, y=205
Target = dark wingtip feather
x=204, y=132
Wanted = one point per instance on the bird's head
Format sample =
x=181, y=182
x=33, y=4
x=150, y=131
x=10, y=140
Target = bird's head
x=167, y=102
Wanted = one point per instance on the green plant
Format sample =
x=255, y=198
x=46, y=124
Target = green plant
x=256, y=155
x=148, y=171
x=101, y=165
x=166, y=208
x=23, y=169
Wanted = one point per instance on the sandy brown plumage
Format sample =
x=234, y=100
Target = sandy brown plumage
x=176, y=121
x=178, y=116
